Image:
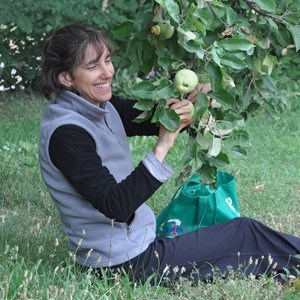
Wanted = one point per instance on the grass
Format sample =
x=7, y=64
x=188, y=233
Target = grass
x=35, y=262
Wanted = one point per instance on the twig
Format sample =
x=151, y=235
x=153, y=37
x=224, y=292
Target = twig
x=263, y=13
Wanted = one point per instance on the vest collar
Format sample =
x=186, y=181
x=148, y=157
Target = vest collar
x=70, y=100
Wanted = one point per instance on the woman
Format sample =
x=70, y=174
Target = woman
x=86, y=164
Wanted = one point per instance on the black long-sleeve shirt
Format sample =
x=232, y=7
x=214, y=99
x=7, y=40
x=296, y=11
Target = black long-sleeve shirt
x=72, y=150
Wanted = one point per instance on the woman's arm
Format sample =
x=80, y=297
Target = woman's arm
x=73, y=152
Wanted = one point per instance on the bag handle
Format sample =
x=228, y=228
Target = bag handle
x=175, y=194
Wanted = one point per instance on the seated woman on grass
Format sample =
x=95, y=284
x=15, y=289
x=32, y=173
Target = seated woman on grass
x=87, y=167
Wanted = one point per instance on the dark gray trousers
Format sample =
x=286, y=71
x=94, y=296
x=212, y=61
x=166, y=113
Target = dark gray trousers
x=242, y=244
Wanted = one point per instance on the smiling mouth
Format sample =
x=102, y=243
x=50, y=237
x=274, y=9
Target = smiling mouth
x=103, y=86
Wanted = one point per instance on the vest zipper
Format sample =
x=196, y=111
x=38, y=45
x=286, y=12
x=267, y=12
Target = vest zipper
x=129, y=229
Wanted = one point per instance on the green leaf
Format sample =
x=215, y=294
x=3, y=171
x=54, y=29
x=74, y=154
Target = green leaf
x=235, y=44
x=207, y=173
x=162, y=93
x=215, y=147
x=215, y=76
x=295, y=32
x=172, y=8
x=268, y=63
x=123, y=30
x=224, y=97
x=231, y=120
x=190, y=151
x=239, y=151
x=284, y=37
x=269, y=83
x=215, y=56
x=246, y=98
x=165, y=62
x=142, y=89
x=203, y=142
x=176, y=65
x=145, y=115
x=148, y=90
x=144, y=104
x=185, y=35
x=233, y=62
x=200, y=27
x=241, y=136
x=231, y=15
x=221, y=132
x=227, y=81
x=170, y=119
x=194, y=47
x=201, y=105
x=272, y=24
x=292, y=17
x=267, y=5
x=220, y=161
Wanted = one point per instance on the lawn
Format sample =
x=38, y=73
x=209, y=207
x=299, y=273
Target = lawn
x=35, y=262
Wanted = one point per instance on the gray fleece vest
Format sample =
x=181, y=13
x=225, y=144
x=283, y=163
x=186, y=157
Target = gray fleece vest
x=97, y=240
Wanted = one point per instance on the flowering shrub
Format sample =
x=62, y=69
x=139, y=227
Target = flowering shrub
x=25, y=25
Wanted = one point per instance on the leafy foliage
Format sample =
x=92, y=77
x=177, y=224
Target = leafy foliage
x=234, y=45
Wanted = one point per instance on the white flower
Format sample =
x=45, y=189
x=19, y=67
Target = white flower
x=12, y=45
x=19, y=78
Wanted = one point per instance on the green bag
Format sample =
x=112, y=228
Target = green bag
x=198, y=206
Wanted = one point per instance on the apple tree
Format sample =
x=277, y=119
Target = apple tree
x=233, y=45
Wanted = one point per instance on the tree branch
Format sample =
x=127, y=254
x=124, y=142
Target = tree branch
x=264, y=13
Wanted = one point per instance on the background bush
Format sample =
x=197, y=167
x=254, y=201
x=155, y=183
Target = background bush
x=25, y=25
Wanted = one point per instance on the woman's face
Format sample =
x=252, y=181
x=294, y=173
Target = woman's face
x=92, y=79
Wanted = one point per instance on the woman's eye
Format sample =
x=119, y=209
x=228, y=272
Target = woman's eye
x=90, y=67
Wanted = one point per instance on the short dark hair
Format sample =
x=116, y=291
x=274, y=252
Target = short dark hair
x=65, y=50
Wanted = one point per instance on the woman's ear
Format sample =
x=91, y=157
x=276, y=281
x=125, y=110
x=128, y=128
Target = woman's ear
x=65, y=79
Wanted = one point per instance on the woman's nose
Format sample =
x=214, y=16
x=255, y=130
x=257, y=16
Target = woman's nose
x=107, y=71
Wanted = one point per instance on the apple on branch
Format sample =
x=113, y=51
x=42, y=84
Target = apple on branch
x=163, y=29
x=185, y=81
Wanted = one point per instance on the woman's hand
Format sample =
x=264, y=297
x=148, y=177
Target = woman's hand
x=166, y=138
x=204, y=88
x=180, y=107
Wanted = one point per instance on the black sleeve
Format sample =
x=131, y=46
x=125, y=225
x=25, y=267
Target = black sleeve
x=72, y=150
x=128, y=113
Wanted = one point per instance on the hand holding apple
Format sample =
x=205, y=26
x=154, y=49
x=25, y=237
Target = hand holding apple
x=184, y=108
x=189, y=106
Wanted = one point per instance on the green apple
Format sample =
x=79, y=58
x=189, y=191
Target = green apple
x=166, y=30
x=163, y=29
x=185, y=81
x=190, y=105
